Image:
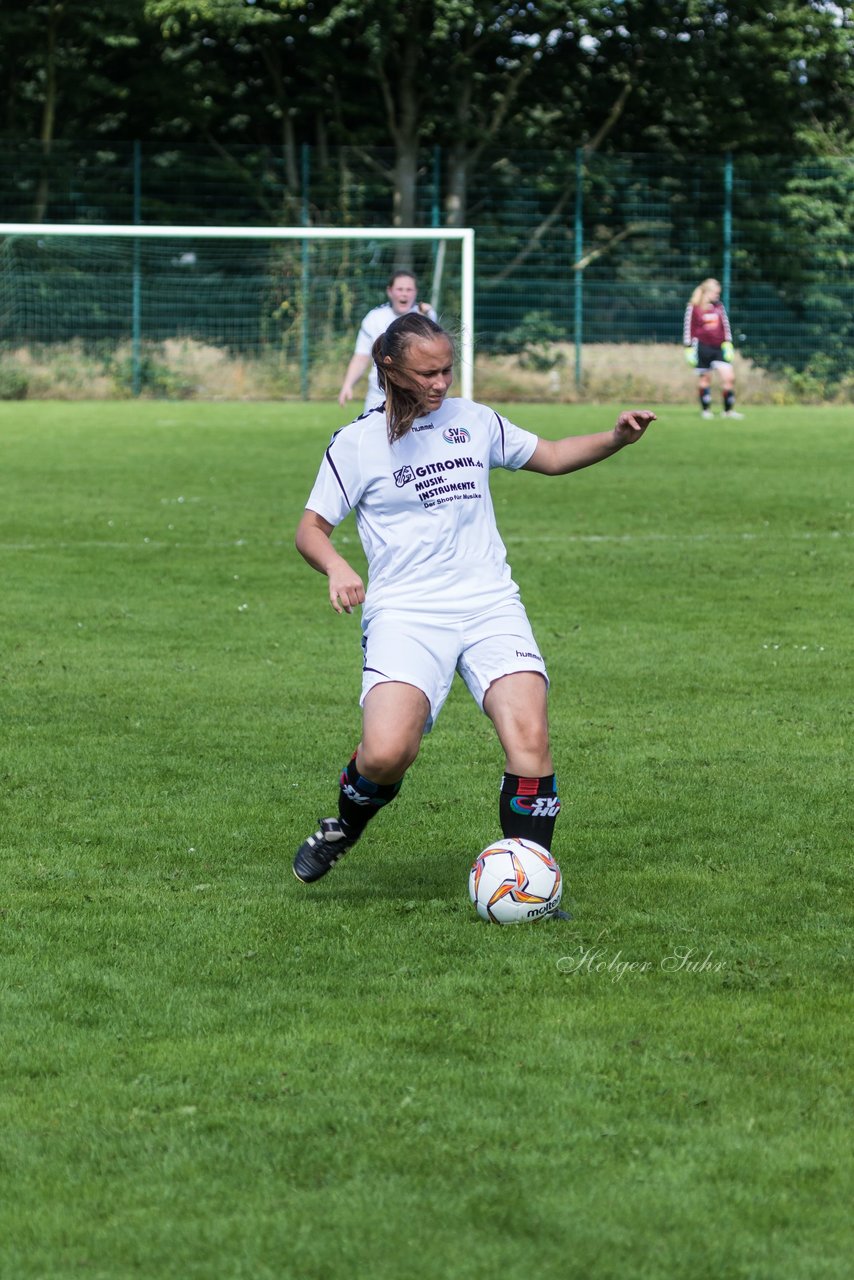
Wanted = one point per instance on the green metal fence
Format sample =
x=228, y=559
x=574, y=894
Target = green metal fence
x=571, y=248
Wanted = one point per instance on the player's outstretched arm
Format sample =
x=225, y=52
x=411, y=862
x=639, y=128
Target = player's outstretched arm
x=557, y=457
x=314, y=544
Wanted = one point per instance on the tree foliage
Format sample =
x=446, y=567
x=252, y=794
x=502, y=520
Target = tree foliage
x=702, y=76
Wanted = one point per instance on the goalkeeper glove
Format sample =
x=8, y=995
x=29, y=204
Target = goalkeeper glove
x=691, y=354
x=727, y=351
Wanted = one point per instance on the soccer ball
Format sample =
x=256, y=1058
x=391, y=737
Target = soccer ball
x=513, y=881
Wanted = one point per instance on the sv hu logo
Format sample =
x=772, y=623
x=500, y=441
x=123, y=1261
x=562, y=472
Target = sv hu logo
x=356, y=796
x=537, y=807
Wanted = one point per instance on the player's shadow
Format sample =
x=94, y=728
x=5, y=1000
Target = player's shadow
x=398, y=878
x=403, y=888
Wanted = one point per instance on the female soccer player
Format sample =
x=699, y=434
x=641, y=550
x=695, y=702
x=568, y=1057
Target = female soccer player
x=707, y=339
x=402, y=294
x=440, y=597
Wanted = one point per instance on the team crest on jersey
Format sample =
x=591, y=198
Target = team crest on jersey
x=404, y=476
x=456, y=435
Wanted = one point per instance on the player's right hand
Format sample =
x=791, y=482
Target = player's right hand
x=345, y=394
x=691, y=355
x=346, y=589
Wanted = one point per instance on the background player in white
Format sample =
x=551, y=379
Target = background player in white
x=402, y=294
x=440, y=596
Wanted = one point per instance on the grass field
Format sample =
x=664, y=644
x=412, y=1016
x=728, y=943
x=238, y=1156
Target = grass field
x=211, y=1071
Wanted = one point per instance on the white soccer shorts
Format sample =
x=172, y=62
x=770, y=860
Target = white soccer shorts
x=426, y=653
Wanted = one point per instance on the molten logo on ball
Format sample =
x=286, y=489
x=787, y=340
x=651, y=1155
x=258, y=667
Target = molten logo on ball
x=514, y=881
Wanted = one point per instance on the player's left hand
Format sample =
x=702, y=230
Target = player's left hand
x=424, y=308
x=631, y=425
x=727, y=351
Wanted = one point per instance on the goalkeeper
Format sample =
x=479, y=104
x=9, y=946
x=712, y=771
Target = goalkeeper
x=707, y=339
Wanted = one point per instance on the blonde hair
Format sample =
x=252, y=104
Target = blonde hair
x=403, y=398
x=702, y=291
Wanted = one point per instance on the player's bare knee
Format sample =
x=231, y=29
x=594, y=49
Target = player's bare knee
x=533, y=745
x=526, y=746
x=386, y=761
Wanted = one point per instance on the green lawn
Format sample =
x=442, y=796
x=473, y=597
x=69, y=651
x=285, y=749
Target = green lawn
x=211, y=1071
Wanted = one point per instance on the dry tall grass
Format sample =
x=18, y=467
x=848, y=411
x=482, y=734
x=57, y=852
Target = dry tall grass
x=614, y=371
x=185, y=369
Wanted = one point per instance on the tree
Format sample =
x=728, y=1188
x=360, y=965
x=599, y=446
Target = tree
x=249, y=72
x=65, y=65
x=710, y=76
x=811, y=271
x=453, y=72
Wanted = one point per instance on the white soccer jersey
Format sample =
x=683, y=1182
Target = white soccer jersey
x=375, y=323
x=423, y=509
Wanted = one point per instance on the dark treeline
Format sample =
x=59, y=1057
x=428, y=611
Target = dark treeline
x=690, y=77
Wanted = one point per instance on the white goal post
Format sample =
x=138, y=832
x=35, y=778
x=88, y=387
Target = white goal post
x=465, y=235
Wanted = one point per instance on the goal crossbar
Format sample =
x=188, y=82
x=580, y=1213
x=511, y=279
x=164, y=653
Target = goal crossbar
x=151, y=231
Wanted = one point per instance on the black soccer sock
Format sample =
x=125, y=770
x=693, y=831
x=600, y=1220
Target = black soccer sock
x=360, y=799
x=729, y=400
x=528, y=808
x=705, y=398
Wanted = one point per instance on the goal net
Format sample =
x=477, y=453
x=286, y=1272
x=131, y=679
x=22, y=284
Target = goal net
x=256, y=311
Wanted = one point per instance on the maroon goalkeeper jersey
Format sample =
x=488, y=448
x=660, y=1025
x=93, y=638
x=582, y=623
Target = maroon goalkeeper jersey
x=709, y=323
